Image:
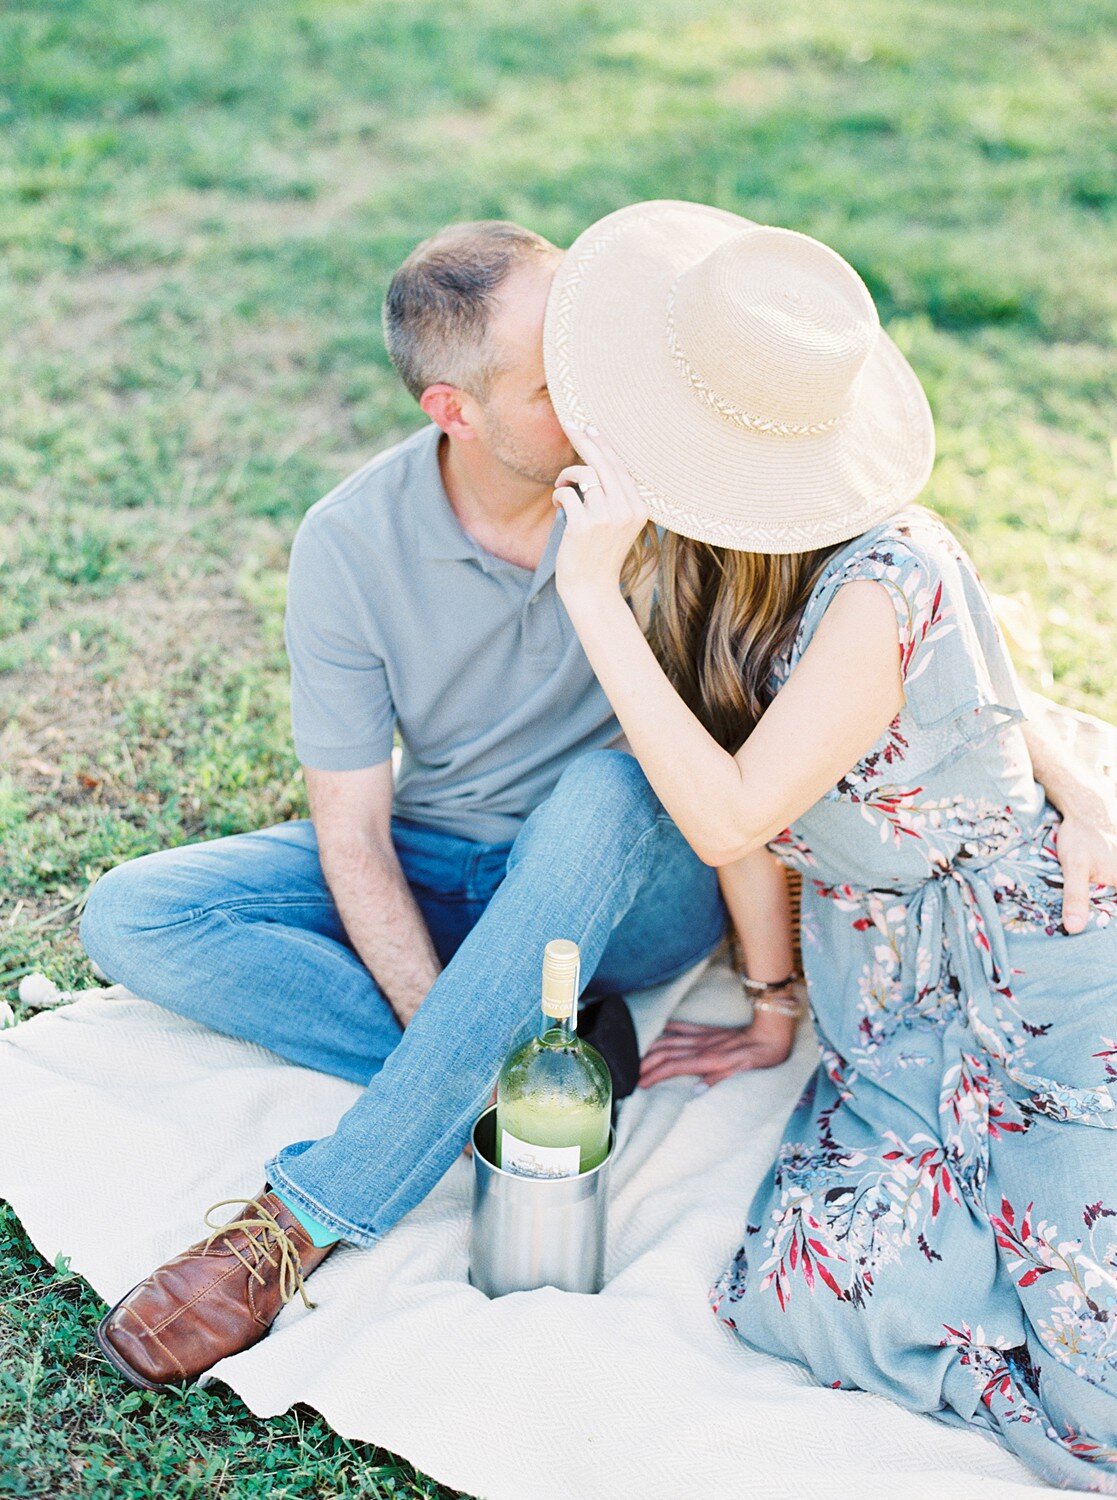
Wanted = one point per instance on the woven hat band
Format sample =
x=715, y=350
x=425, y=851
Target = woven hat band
x=772, y=330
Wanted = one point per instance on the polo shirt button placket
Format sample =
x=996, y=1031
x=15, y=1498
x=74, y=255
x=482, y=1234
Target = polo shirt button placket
x=530, y=627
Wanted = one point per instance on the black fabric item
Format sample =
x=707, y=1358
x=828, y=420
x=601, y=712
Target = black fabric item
x=607, y=1025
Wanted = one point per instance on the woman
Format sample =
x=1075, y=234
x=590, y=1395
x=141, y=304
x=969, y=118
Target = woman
x=823, y=675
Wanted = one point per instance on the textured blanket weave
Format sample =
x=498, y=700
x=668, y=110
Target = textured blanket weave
x=121, y=1122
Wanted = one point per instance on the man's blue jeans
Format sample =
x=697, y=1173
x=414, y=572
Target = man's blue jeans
x=242, y=934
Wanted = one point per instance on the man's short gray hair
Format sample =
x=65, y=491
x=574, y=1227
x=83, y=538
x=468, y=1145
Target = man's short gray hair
x=436, y=314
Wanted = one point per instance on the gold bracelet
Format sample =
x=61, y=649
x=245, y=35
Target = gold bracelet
x=766, y=996
x=789, y=1008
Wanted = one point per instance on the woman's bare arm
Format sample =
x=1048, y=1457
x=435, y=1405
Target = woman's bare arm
x=840, y=698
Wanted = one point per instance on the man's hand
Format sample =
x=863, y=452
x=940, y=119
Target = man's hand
x=352, y=820
x=1087, y=848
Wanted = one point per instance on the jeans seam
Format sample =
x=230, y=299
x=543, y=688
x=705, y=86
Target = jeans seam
x=180, y=921
x=244, y=903
x=636, y=848
x=221, y=908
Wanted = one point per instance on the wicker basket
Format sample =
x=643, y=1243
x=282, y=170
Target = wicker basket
x=795, y=891
x=731, y=947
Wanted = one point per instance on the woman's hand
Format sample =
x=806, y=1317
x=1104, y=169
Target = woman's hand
x=1087, y=850
x=713, y=1053
x=1062, y=751
x=601, y=524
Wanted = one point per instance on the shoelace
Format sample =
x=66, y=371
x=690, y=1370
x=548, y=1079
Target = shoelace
x=290, y=1267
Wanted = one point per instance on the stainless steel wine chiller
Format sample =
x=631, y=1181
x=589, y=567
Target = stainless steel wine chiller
x=530, y=1232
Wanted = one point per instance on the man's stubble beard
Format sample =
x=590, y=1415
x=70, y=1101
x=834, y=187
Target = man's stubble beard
x=517, y=459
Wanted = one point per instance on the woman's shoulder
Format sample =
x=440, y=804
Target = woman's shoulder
x=904, y=553
x=914, y=542
x=928, y=576
x=956, y=671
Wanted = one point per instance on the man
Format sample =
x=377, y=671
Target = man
x=395, y=939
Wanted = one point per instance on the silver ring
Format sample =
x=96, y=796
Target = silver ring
x=594, y=484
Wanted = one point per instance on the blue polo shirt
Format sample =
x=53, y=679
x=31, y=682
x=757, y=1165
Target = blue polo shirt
x=396, y=618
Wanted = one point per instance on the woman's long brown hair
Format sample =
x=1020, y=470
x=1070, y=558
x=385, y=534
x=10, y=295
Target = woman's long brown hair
x=720, y=621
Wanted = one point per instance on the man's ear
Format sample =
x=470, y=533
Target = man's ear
x=451, y=409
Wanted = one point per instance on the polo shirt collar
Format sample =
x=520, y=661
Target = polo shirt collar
x=441, y=534
x=546, y=568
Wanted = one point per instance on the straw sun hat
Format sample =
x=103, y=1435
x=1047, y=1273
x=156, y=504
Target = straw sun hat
x=741, y=374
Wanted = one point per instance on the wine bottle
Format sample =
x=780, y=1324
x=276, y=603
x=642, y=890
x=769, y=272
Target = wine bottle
x=554, y=1095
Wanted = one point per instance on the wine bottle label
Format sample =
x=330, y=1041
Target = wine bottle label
x=527, y=1160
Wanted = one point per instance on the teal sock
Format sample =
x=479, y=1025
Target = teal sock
x=319, y=1234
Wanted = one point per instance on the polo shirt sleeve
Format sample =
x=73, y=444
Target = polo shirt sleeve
x=342, y=714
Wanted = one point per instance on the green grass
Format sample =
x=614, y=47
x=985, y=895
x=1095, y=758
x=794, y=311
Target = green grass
x=70, y=1426
x=200, y=207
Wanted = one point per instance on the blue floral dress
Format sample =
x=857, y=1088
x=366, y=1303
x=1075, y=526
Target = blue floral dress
x=940, y=1225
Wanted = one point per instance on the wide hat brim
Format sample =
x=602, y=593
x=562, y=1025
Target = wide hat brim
x=609, y=364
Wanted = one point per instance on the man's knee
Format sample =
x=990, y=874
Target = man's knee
x=612, y=783
x=602, y=795
x=124, y=903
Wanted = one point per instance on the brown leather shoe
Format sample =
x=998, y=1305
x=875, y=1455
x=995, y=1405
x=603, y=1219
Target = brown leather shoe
x=215, y=1299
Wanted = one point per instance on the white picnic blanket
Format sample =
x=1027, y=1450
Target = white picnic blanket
x=121, y=1123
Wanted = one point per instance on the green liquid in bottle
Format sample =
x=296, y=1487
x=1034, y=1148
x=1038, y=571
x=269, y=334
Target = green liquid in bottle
x=555, y=1093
